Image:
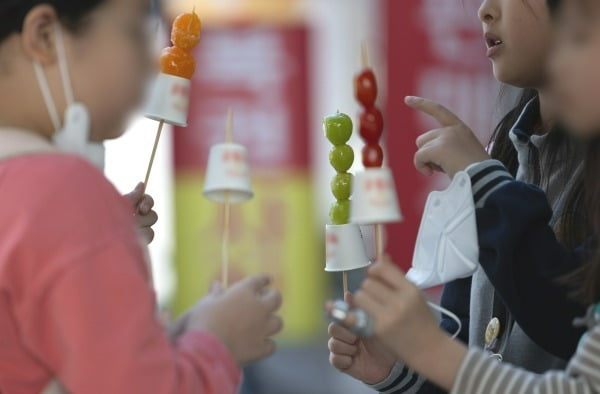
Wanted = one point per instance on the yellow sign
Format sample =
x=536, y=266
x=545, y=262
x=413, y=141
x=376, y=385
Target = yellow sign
x=274, y=233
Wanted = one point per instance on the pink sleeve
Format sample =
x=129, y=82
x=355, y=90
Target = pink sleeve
x=96, y=329
x=79, y=286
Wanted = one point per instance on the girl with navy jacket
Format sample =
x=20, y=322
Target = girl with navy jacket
x=403, y=322
x=526, y=243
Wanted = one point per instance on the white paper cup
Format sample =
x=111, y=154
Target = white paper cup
x=374, y=199
x=228, y=174
x=344, y=248
x=169, y=100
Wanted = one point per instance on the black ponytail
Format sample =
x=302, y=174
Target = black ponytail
x=72, y=13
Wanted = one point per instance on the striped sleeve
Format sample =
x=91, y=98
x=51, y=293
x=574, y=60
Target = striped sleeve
x=400, y=380
x=487, y=177
x=481, y=374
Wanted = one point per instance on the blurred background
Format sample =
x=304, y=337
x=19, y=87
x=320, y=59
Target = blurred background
x=282, y=65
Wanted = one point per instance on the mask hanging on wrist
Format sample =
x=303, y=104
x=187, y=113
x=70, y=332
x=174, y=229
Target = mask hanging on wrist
x=73, y=136
x=447, y=245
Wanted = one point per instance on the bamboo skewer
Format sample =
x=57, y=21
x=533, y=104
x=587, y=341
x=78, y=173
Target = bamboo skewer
x=379, y=248
x=227, y=214
x=153, y=156
x=364, y=52
x=345, y=282
x=379, y=245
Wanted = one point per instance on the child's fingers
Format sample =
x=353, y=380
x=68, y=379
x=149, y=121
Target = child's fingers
x=257, y=283
x=147, y=220
x=369, y=304
x=389, y=274
x=341, y=348
x=148, y=234
x=269, y=348
x=422, y=164
x=443, y=115
x=274, y=325
x=377, y=289
x=340, y=362
x=426, y=158
x=136, y=195
x=146, y=204
x=272, y=300
x=429, y=136
x=341, y=333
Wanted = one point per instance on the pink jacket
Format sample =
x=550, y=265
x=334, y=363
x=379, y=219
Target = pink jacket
x=75, y=300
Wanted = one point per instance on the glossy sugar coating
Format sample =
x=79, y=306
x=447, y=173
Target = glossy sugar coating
x=365, y=88
x=371, y=119
x=185, y=33
x=178, y=60
x=338, y=130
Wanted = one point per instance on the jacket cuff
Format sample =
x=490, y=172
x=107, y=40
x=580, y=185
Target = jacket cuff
x=487, y=177
x=400, y=380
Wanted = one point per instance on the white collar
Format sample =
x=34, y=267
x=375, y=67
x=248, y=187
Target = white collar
x=16, y=142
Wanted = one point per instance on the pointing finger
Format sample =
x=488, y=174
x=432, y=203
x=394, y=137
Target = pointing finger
x=443, y=115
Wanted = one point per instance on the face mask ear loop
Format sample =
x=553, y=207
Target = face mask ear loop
x=449, y=314
x=45, y=88
x=63, y=65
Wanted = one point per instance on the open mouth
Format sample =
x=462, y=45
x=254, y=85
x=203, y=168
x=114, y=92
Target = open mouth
x=493, y=42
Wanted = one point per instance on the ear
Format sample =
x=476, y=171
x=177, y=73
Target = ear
x=38, y=34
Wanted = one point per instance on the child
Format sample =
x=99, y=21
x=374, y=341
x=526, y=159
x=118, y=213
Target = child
x=75, y=299
x=517, y=266
x=405, y=324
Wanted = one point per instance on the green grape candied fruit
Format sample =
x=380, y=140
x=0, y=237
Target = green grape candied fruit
x=340, y=212
x=341, y=158
x=341, y=186
x=338, y=128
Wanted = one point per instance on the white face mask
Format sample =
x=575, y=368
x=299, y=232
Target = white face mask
x=73, y=136
x=447, y=246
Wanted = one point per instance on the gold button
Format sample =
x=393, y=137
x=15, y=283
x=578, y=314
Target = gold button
x=492, y=331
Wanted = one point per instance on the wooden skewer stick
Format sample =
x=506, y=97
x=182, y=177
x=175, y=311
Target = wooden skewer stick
x=153, y=156
x=227, y=213
x=225, y=245
x=379, y=250
x=229, y=129
x=365, y=55
x=345, y=282
x=193, y=12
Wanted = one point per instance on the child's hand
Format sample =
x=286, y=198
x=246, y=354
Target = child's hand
x=242, y=317
x=449, y=149
x=363, y=359
x=145, y=217
x=401, y=318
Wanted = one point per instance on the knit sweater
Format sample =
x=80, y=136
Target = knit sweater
x=480, y=374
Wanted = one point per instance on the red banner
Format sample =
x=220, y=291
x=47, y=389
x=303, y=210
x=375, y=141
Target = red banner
x=262, y=75
x=436, y=50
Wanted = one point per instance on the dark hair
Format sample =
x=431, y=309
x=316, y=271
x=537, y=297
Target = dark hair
x=569, y=228
x=71, y=13
x=502, y=147
x=586, y=280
